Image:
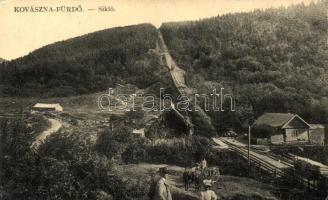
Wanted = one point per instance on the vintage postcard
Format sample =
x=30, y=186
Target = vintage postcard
x=163, y=100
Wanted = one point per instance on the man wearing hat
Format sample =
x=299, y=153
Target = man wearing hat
x=208, y=194
x=162, y=188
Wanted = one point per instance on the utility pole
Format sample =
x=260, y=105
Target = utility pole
x=249, y=145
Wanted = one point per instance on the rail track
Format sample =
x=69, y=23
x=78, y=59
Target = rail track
x=263, y=160
x=10, y=115
x=177, y=75
x=268, y=163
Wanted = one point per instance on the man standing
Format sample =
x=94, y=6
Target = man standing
x=162, y=188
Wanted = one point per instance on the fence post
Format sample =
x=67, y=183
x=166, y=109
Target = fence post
x=275, y=173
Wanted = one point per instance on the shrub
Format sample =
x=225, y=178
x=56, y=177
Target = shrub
x=65, y=167
x=113, y=143
x=176, y=151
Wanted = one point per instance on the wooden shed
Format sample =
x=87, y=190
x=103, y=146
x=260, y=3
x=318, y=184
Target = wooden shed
x=283, y=128
x=47, y=107
x=317, y=134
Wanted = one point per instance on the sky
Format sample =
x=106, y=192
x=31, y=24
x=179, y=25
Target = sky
x=21, y=32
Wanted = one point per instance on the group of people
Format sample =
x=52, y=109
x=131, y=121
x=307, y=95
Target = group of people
x=163, y=192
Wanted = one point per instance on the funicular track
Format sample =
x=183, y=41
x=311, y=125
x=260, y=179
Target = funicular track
x=178, y=77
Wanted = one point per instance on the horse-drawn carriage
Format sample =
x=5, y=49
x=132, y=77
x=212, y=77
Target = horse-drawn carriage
x=196, y=175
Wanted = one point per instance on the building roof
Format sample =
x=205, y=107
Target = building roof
x=274, y=119
x=149, y=117
x=315, y=126
x=139, y=131
x=55, y=106
x=278, y=119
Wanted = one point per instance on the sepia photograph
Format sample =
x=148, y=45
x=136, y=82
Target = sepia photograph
x=163, y=100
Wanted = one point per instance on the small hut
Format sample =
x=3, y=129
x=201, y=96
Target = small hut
x=47, y=107
x=317, y=134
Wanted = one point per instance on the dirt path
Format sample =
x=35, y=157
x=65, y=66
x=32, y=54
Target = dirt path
x=55, y=125
x=228, y=187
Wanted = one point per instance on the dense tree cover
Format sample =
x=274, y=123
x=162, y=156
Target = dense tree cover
x=271, y=60
x=177, y=151
x=113, y=143
x=88, y=63
x=66, y=167
x=122, y=145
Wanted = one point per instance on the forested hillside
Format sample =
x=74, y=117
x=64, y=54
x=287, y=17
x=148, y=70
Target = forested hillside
x=272, y=60
x=1, y=60
x=85, y=64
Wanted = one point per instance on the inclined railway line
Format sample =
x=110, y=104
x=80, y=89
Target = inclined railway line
x=177, y=75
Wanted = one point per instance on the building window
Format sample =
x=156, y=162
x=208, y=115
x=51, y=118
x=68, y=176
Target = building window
x=296, y=132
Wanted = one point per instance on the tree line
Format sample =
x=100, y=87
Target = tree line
x=272, y=60
x=85, y=64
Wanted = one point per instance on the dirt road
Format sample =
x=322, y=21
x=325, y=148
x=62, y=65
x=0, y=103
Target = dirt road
x=228, y=187
x=55, y=125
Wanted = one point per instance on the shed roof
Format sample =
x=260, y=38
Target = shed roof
x=149, y=117
x=138, y=131
x=274, y=119
x=278, y=120
x=55, y=106
x=315, y=126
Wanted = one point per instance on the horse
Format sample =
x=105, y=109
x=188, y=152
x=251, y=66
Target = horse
x=198, y=179
x=188, y=178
